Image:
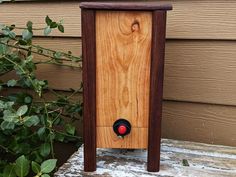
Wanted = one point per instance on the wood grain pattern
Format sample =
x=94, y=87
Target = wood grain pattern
x=156, y=89
x=89, y=89
x=126, y=5
x=123, y=67
x=137, y=139
x=192, y=19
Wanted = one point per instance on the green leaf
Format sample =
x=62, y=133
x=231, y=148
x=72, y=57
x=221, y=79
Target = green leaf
x=45, y=175
x=2, y=25
x=22, y=42
x=41, y=131
x=6, y=31
x=12, y=27
x=70, y=129
x=61, y=28
x=2, y=105
x=29, y=26
x=3, y=49
x=47, y=30
x=22, y=110
x=53, y=25
x=35, y=167
x=185, y=162
x=57, y=56
x=12, y=35
x=9, y=171
x=31, y=121
x=8, y=105
x=22, y=166
x=9, y=116
x=27, y=35
x=45, y=149
x=7, y=125
x=48, y=20
x=11, y=83
x=48, y=165
x=60, y=137
x=28, y=99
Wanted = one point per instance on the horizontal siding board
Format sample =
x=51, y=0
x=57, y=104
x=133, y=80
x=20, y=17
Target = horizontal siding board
x=212, y=124
x=60, y=44
x=195, y=70
x=202, y=19
x=59, y=77
x=193, y=19
x=201, y=71
x=20, y=13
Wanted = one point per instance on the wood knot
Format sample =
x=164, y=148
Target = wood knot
x=135, y=26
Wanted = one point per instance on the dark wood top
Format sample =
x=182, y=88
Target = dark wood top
x=126, y=5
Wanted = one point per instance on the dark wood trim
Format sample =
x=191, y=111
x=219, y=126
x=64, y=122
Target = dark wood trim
x=126, y=5
x=89, y=89
x=156, y=89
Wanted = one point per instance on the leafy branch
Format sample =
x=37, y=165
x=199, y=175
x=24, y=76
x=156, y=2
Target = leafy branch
x=30, y=124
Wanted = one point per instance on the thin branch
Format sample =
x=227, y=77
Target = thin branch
x=7, y=150
x=45, y=55
x=53, y=51
x=23, y=28
x=72, y=136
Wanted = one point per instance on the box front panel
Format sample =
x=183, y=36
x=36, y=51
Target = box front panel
x=123, y=52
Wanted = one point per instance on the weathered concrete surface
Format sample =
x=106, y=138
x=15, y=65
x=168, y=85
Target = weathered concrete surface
x=204, y=161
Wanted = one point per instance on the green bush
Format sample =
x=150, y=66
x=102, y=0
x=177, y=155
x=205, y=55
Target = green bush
x=29, y=122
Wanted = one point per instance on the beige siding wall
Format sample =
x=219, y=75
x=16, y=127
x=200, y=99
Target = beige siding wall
x=200, y=70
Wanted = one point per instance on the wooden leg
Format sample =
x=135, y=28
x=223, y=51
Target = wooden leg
x=156, y=89
x=89, y=89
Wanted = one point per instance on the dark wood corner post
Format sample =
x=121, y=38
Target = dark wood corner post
x=89, y=89
x=156, y=89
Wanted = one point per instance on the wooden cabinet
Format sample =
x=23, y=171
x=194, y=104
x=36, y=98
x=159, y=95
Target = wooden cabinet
x=123, y=61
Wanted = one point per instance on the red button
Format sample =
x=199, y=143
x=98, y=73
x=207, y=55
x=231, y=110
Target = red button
x=122, y=129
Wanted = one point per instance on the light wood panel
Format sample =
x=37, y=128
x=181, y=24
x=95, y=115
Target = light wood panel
x=199, y=122
x=106, y=138
x=192, y=19
x=123, y=48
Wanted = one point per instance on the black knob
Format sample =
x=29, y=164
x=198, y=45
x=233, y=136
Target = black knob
x=122, y=127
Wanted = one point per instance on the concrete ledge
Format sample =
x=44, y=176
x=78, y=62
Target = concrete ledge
x=204, y=161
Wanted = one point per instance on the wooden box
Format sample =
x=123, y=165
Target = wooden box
x=123, y=61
